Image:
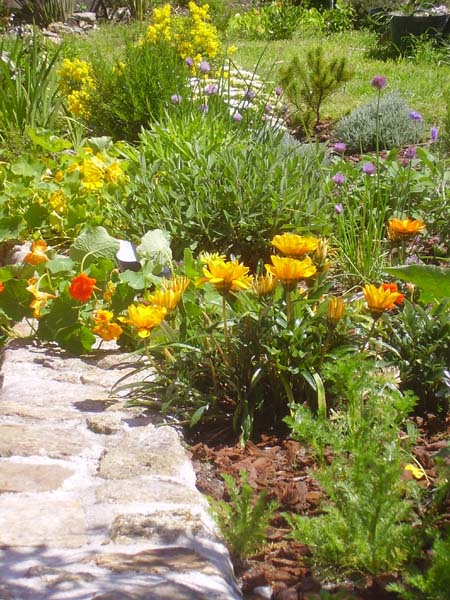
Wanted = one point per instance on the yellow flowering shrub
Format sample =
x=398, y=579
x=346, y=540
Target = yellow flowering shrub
x=76, y=82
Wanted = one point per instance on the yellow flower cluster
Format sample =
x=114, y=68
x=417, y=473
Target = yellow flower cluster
x=76, y=82
x=95, y=171
x=193, y=36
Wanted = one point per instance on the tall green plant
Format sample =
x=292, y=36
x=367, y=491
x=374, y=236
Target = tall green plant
x=44, y=12
x=29, y=86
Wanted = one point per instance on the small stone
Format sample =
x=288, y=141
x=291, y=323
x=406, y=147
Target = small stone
x=38, y=440
x=89, y=17
x=20, y=477
x=105, y=424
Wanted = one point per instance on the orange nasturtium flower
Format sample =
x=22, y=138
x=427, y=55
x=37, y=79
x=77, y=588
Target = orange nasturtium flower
x=293, y=245
x=290, y=270
x=39, y=298
x=380, y=299
x=37, y=254
x=405, y=229
x=226, y=276
x=144, y=318
x=2, y=287
x=104, y=328
x=392, y=287
x=81, y=287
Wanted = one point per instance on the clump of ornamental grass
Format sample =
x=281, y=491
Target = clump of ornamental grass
x=387, y=121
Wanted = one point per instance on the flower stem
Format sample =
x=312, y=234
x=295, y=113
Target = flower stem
x=225, y=325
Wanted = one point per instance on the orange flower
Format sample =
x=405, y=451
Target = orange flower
x=226, y=276
x=144, y=318
x=290, y=270
x=380, y=299
x=104, y=328
x=405, y=229
x=2, y=286
x=81, y=287
x=392, y=287
x=37, y=254
x=335, y=309
x=293, y=245
x=40, y=298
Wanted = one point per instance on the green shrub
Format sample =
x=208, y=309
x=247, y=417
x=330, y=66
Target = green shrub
x=44, y=12
x=359, y=129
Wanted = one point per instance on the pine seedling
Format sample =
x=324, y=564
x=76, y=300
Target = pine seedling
x=243, y=520
x=309, y=83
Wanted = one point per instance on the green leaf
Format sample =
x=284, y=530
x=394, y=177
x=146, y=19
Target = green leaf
x=94, y=242
x=135, y=280
x=26, y=168
x=10, y=228
x=155, y=247
x=433, y=281
x=60, y=264
x=101, y=269
x=77, y=339
x=47, y=141
x=36, y=215
x=15, y=298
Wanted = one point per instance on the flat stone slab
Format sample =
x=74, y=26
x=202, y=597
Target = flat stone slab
x=20, y=477
x=145, y=489
x=155, y=451
x=28, y=521
x=33, y=439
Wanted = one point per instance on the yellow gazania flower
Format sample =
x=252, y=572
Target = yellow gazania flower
x=39, y=298
x=165, y=297
x=290, y=270
x=321, y=255
x=206, y=257
x=293, y=245
x=38, y=253
x=335, y=309
x=144, y=318
x=263, y=285
x=226, y=276
x=379, y=299
x=405, y=229
x=104, y=328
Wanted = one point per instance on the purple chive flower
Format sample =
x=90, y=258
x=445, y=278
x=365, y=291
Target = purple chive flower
x=278, y=91
x=268, y=109
x=189, y=62
x=410, y=152
x=340, y=147
x=204, y=67
x=249, y=94
x=434, y=134
x=338, y=179
x=176, y=99
x=203, y=108
x=338, y=209
x=379, y=82
x=237, y=117
x=415, y=116
x=369, y=168
x=212, y=89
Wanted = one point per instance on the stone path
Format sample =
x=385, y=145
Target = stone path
x=96, y=502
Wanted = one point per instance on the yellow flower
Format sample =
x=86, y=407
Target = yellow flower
x=104, y=328
x=114, y=173
x=206, y=257
x=38, y=253
x=78, y=103
x=290, y=270
x=226, y=276
x=144, y=318
x=39, y=298
x=58, y=202
x=109, y=292
x=415, y=471
x=165, y=297
x=59, y=176
x=293, y=245
x=335, y=309
x=405, y=229
x=380, y=299
x=321, y=254
x=263, y=285
x=178, y=283
x=92, y=174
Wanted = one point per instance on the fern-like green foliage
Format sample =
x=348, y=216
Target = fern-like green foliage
x=395, y=128
x=243, y=520
x=308, y=83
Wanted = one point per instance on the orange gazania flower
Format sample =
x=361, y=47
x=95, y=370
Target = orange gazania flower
x=37, y=254
x=104, y=327
x=39, y=298
x=81, y=287
x=144, y=318
x=380, y=299
x=293, y=245
x=290, y=270
x=405, y=229
x=226, y=276
x=392, y=287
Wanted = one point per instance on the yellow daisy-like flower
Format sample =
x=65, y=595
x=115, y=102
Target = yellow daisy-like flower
x=144, y=318
x=293, y=245
x=206, y=257
x=380, y=299
x=92, y=175
x=38, y=253
x=165, y=297
x=104, y=327
x=404, y=229
x=263, y=285
x=291, y=270
x=40, y=299
x=335, y=309
x=226, y=276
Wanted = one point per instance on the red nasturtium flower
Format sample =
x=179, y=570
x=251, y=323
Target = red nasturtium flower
x=81, y=287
